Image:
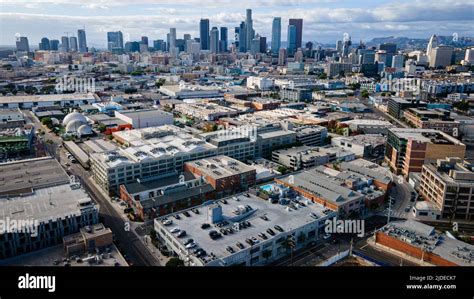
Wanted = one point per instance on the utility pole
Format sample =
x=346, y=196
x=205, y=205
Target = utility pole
x=389, y=209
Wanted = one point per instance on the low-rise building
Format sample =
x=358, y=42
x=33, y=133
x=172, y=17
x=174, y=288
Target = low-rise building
x=145, y=118
x=206, y=111
x=449, y=185
x=43, y=203
x=304, y=157
x=324, y=186
x=424, y=243
x=11, y=118
x=436, y=119
x=369, y=126
x=252, y=231
x=408, y=149
x=382, y=177
x=371, y=147
x=63, y=100
x=226, y=175
x=152, y=198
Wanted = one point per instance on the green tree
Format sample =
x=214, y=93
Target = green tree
x=174, y=262
x=160, y=83
x=282, y=169
x=47, y=122
x=364, y=93
x=322, y=76
x=102, y=128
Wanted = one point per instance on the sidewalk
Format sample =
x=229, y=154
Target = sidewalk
x=134, y=226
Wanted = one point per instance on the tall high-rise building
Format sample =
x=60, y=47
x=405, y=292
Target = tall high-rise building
x=22, y=44
x=204, y=34
x=81, y=36
x=441, y=56
x=214, y=42
x=276, y=35
x=145, y=40
x=339, y=46
x=249, y=29
x=282, y=56
x=298, y=23
x=237, y=37
x=159, y=45
x=172, y=38
x=187, y=36
x=73, y=43
x=398, y=61
x=54, y=45
x=224, y=40
x=114, y=40
x=391, y=50
x=44, y=44
x=433, y=43
x=263, y=44
x=64, y=44
x=292, y=39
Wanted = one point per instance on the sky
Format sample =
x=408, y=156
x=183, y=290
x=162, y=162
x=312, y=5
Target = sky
x=325, y=21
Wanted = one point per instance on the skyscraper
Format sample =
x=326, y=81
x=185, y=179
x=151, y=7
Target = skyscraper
x=172, y=38
x=22, y=44
x=214, y=40
x=81, y=36
x=204, y=34
x=242, y=38
x=298, y=23
x=159, y=45
x=224, y=40
x=114, y=40
x=249, y=29
x=145, y=40
x=441, y=56
x=44, y=44
x=64, y=44
x=292, y=39
x=276, y=35
x=54, y=45
x=433, y=43
x=282, y=56
x=73, y=43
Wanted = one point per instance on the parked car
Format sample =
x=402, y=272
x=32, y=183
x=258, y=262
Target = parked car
x=191, y=245
x=270, y=232
x=326, y=236
x=279, y=228
x=205, y=225
x=175, y=230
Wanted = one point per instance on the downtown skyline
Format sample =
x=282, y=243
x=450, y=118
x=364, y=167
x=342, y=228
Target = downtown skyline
x=324, y=21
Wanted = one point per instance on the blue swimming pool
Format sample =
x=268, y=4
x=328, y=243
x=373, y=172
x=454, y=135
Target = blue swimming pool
x=267, y=188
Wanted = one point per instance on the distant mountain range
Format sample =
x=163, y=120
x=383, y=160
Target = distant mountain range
x=406, y=42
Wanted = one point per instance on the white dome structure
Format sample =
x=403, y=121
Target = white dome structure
x=73, y=126
x=84, y=130
x=74, y=116
x=55, y=121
